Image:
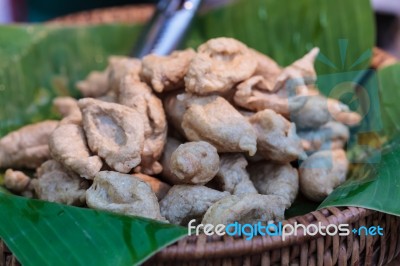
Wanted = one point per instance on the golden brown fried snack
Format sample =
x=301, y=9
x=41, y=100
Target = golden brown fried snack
x=219, y=65
x=137, y=95
x=124, y=194
x=313, y=114
x=232, y=175
x=341, y=113
x=322, y=172
x=253, y=95
x=121, y=66
x=276, y=137
x=26, y=147
x=68, y=146
x=166, y=73
x=268, y=69
x=332, y=135
x=298, y=75
x=194, y=163
x=246, y=209
x=114, y=132
x=16, y=181
x=157, y=186
x=275, y=179
x=184, y=203
x=56, y=184
x=68, y=108
x=214, y=120
x=95, y=85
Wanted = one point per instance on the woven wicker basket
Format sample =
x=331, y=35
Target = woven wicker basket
x=296, y=250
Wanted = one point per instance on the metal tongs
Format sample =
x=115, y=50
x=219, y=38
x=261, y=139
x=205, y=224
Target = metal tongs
x=167, y=28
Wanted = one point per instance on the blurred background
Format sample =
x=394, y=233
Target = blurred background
x=387, y=14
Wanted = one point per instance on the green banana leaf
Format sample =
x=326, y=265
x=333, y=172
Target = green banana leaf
x=286, y=30
x=372, y=185
x=44, y=233
x=389, y=82
x=40, y=62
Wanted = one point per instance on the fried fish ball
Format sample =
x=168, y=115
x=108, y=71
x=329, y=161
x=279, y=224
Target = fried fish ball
x=28, y=146
x=246, y=209
x=218, y=66
x=121, y=66
x=68, y=108
x=298, y=75
x=68, y=146
x=166, y=73
x=232, y=174
x=253, y=94
x=157, y=186
x=138, y=96
x=186, y=202
x=95, y=85
x=56, y=184
x=275, y=179
x=114, y=132
x=124, y=194
x=214, y=120
x=276, y=137
x=332, y=135
x=322, y=172
x=194, y=163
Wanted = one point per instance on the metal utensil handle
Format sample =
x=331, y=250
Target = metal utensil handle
x=166, y=29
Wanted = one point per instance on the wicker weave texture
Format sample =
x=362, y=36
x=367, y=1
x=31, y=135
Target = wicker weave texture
x=296, y=250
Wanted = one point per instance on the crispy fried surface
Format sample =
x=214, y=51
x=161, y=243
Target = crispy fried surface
x=322, y=172
x=245, y=209
x=27, y=147
x=159, y=188
x=218, y=66
x=232, y=175
x=114, y=132
x=214, y=120
x=16, y=181
x=69, y=147
x=275, y=179
x=124, y=194
x=56, y=184
x=95, y=85
x=194, y=163
x=276, y=137
x=184, y=203
x=138, y=96
x=68, y=108
x=166, y=73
